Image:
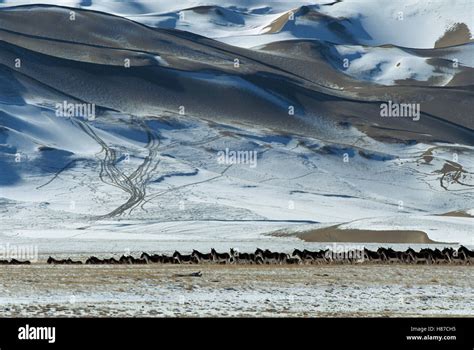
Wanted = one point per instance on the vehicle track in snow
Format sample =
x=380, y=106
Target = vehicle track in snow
x=134, y=184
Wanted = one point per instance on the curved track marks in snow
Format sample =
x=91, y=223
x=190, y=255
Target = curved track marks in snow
x=133, y=184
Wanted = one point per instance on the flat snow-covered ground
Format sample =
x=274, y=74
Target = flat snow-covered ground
x=154, y=291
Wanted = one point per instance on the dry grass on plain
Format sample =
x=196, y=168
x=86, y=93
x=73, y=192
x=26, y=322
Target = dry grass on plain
x=226, y=291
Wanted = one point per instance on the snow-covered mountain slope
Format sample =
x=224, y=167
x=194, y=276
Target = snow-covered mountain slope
x=195, y=139
x=406, y=23
x=387, y=65
x=171, y=69
x=149, y=178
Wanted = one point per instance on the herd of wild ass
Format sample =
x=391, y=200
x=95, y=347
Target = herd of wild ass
x=462, y=255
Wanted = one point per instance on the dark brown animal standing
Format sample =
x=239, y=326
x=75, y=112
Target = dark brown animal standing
x=93, y=261
x=68, y=261
x=18, y=262
x=202, y=258
x=185, y=259
x=466, y=255
x=372, y=257
x=424, y=256
x=220, y=258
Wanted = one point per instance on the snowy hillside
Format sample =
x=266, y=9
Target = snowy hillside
x=234, y=123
